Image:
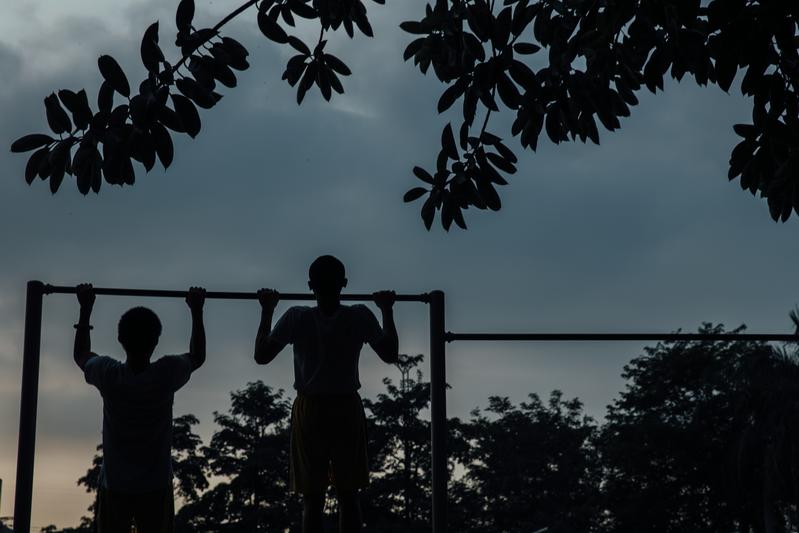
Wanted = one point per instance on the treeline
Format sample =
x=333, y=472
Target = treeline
x=703, y=439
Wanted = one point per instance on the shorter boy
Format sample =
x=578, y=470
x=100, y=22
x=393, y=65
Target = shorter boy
x=136, y=475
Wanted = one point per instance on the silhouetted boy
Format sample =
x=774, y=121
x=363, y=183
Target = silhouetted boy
x=136, y=476
x=328, y=425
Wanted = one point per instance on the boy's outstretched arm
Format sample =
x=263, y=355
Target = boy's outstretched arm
x=195, y=300
x=82, y=350
x=387, y=347
x=267, y=348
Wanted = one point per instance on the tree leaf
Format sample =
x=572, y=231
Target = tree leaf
x=423, y=175
x=113, y=74
x=30, y=142
x=508, y=92
x=323, y=81
x=337, y=65
x=271, y=29
x=414, y=27
x=198, y=94
x=448, y=142
x=414, y=194
x=428, y=212
x=56, y=116
x=105, y=97
x=526, y=48
x=307, y=81
x=413, y=48
x=299, y=46
x=748, y=131
x=151, y=54
x=184, y=15
x=34, y=162
x=451, y=94
x=237, y=54
x=489, y=194
x=163, y=144
x=301, y=9
x=294, y=69
x=78, y=106
x=501, y=163
x=189, y=117
x=522, y=75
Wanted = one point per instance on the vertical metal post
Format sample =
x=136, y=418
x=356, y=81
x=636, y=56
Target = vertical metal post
x=27, y=411
x=438, y=410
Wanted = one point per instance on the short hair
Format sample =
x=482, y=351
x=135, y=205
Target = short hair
x=139, y=328
x=326, y=268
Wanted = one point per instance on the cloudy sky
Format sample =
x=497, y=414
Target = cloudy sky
x=643, y=233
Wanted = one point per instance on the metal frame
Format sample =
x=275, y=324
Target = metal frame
x=439, y=337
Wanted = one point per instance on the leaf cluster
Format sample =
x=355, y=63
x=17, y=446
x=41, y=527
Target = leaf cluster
x=598, y=55
x=137, y=125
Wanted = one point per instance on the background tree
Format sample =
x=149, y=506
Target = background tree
x=704, y=438
x=398, y=495
x=599, y=55
x=250, y=454
x=531, y=467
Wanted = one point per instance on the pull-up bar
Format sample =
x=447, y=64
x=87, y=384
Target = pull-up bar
x=159, y=293
x=746, y=337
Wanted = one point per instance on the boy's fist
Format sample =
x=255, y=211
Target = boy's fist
x=268, y=299
x=196, y=298
x=384, y=300
x=86, y=295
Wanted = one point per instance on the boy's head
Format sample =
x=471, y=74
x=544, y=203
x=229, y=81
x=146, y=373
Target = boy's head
x=138, y=332
x=326, y=277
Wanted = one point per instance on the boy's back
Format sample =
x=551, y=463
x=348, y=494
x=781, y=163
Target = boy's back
x=327, y=347
x=137, y=419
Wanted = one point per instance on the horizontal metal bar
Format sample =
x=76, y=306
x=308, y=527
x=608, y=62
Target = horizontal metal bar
x=620, y=337
x=158, y=293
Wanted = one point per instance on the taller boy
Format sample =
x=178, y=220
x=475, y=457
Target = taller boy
x=328, y=425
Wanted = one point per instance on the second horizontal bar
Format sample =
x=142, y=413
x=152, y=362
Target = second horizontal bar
x=159, y=293
x=763, y=337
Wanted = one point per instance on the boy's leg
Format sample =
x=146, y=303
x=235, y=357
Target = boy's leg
x=310, y=457
x=313, y=508
x=155, y=512
x=114, y=512
x=350, y=466
x=349, y=511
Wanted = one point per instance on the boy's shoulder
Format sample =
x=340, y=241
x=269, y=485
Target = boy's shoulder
x=298, y=310
x=102, y=361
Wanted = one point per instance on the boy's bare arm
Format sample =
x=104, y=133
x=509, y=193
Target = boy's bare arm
x=196, y=300
x=82, y=350
x=387, y=348
x=266, y=348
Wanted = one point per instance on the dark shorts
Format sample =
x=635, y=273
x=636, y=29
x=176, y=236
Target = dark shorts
x=328, y=443
x=152, y=512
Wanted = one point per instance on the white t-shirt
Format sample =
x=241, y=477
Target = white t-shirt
x=327, y=348
x=137, y=420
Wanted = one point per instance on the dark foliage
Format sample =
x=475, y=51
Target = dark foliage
x=528, y=468
x=249, y=453
x=102, y=145
x=599, y=54
x=705, y=439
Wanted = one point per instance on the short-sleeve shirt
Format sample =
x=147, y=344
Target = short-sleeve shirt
x=327, y=348
x=137, y=420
